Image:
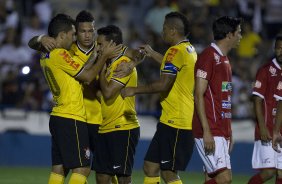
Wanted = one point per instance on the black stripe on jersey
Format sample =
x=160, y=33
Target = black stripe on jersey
x=85, y=52
x=120, y=55
x=169, y=73
x=80, y=71
x=118, y=81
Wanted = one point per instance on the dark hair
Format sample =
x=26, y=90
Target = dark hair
x=84, y=16
x=111, y=32
x=185, y=30
x=224, y=25
x=278, y=38
x=60, y=23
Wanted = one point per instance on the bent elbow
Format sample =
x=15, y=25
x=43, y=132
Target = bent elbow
x=107, y=95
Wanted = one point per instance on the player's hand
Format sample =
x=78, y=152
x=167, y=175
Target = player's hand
x=265, y=135
x=276, y=141
x=48, y=43
x=111, y=50
x=209, y=143
x=123, y=69
x=147, y=50
x=231, y=144
x=126, y=92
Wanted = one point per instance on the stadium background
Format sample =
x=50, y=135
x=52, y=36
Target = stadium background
x=25, y=100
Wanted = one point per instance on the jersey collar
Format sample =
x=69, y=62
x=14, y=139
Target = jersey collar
x=182, y=41
x=217, y=48
x=274, y=61
x=85, y=51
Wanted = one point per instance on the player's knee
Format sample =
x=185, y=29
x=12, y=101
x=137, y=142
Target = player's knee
x=151, y=169
x=169, y=176
x=224, y=179
x=58, y=169
x=103, y=178
x=268, y=173
x=85, y=171
x=122, y=179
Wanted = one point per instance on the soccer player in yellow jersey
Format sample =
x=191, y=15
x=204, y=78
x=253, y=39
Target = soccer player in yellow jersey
x=172, y=145
x=119, y=132
x=81, y=49
x=70, y=143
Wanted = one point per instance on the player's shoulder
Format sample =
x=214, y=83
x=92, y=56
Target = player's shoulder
x=122, y=59
x=60, y=53
x=209, y=51
x=267, y=66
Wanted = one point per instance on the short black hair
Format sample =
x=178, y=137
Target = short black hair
x=60, y=23
x=278, y=38
x=185, y=30
x=111, y=32
x=224, y=25
x=84, y=16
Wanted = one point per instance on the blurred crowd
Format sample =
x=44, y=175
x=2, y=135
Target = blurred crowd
x=22, y=84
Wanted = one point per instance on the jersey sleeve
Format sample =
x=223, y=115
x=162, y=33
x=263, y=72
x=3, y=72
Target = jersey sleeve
x=278, y=91
x=204, y=65
x=260, y=84
x=123, y=80
x=71, y=65
x=172, y=61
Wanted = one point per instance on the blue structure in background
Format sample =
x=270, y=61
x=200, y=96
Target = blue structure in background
x=22, y=149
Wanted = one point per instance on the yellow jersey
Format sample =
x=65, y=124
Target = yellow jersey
x=91, y=103
x=178, y=103
x=60, y=69
x=119, y=113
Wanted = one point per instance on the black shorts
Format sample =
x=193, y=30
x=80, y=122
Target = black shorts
x=172, y=148
x=115, y=152
x=93, y=136
x=70, y=142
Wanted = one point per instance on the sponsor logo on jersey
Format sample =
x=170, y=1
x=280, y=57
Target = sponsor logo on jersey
x=272, y=70
x=226, y=86
x=171, y=54
x=69, y=60
x=226, y=104
x=190, y=49
x=217, y=59
x=170, y=121
x=201, y=74
x=226, y=115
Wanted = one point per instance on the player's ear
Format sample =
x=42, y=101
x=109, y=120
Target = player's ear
x=229, y=35
x=62, y=35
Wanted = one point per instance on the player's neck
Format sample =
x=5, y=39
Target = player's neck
x=223, y=46
x=178, y=40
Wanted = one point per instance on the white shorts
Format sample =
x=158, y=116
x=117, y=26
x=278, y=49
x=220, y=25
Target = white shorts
x=220, y=160
x=264, y=155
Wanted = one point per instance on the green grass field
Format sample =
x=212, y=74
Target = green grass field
x=37, y=175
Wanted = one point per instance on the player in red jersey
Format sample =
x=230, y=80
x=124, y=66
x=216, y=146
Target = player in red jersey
x=276, y=137
x=264, y=157
x=212, y=118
